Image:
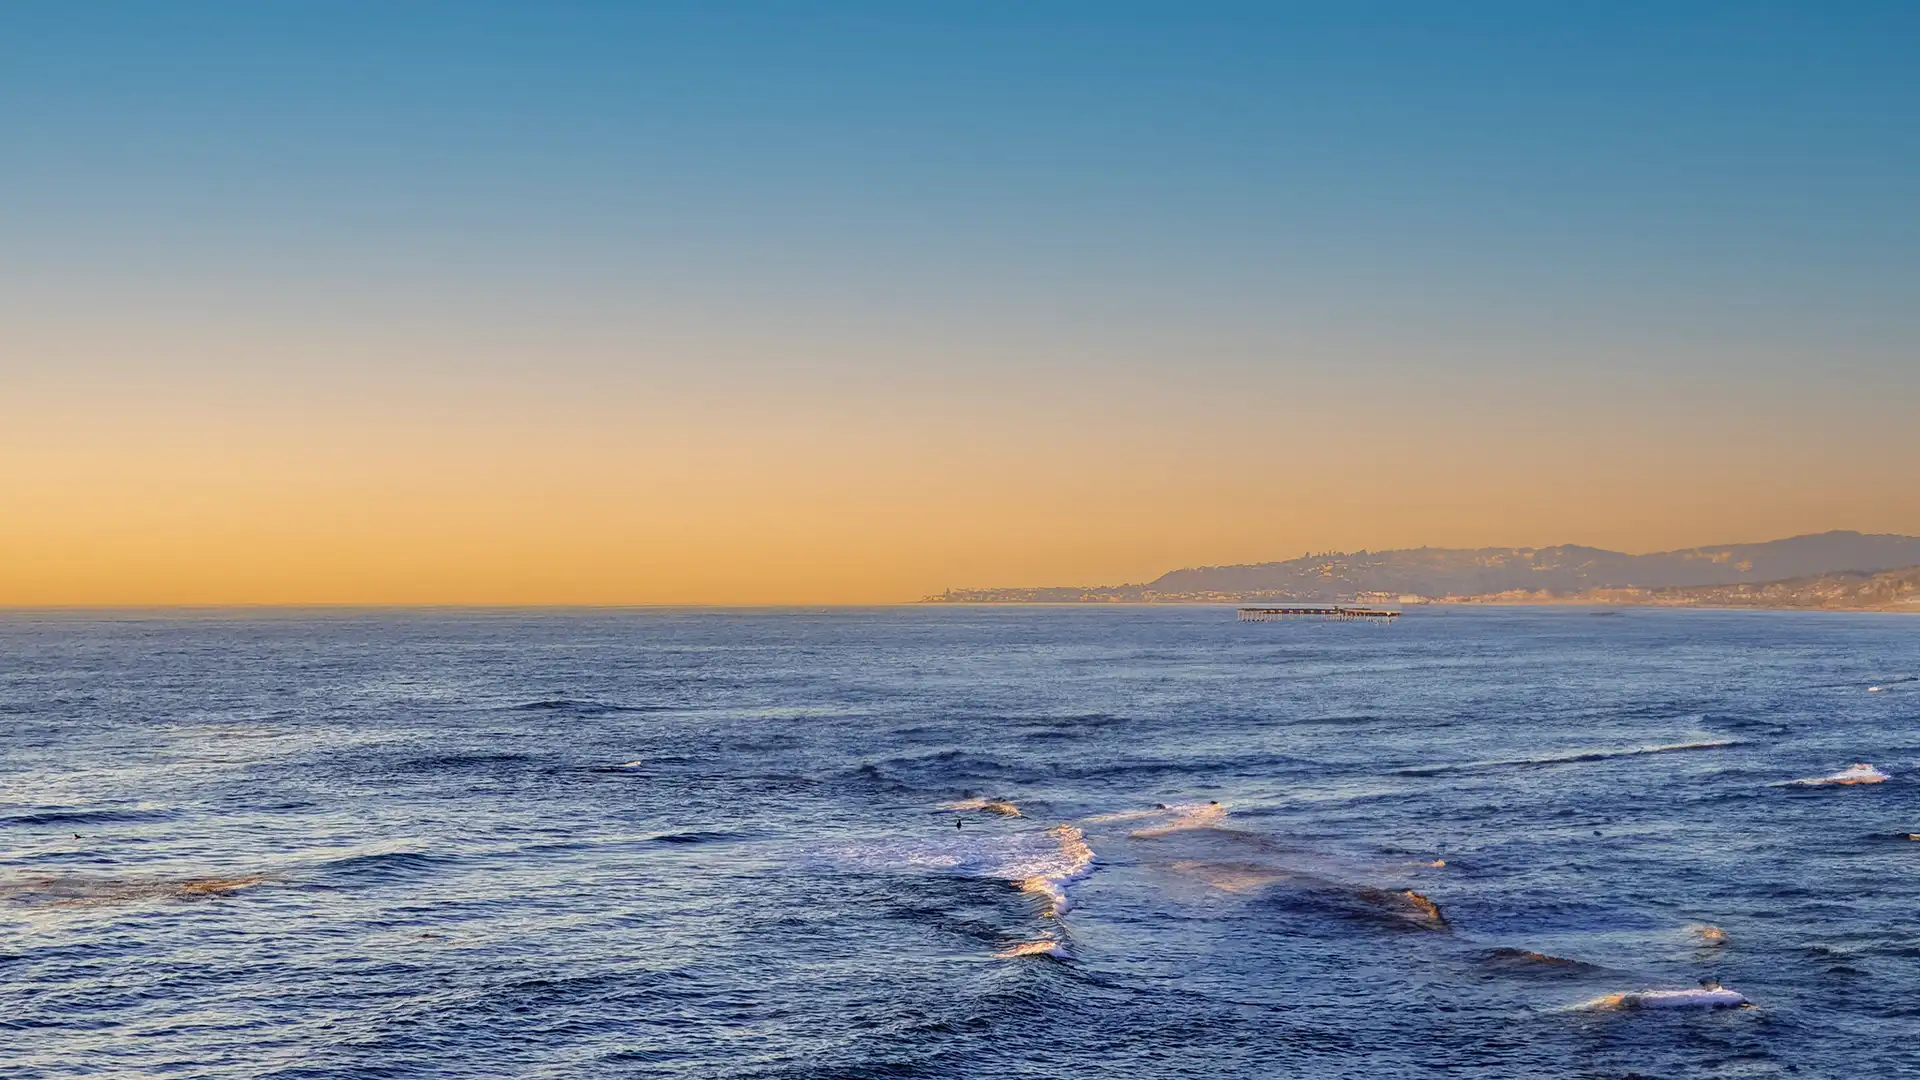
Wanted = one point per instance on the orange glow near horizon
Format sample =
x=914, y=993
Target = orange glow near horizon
x=375, y=490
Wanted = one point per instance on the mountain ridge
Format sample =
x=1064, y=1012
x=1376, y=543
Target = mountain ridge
x=1845, y=590
x=1430, y=572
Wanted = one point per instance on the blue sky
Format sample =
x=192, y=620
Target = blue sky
x=1761, y=157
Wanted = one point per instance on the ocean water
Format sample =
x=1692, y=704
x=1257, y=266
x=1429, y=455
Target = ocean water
x=955, y=842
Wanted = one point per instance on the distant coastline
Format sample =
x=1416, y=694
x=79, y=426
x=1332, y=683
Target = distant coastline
x=1834, y=571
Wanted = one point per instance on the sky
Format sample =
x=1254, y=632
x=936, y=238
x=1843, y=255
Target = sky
x=740, y=303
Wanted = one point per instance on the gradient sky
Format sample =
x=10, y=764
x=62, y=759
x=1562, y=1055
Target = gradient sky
x=663, y=303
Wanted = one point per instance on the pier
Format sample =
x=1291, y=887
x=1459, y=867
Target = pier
x=1315, y=611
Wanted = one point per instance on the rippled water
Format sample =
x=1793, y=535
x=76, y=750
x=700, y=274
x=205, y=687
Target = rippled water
x=714, y=844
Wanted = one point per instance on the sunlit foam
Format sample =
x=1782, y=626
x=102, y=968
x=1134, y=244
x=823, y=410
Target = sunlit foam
x=1076, y=858
x=80, y=891
x=1428, y=910
x=1165, y=819
x=1041, y=863
x=1858, y=773
x=1705, y=997
x=1231, y=877
x=1003, y=807
x=1030, y=948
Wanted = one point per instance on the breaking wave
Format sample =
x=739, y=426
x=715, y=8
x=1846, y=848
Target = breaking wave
x=66, y=817
x=1566, y=758
x=1041, y=863
x=582, y=706
x=1041, y=947
x=1857, y=773
x=1526, y=960
x=1704, y=997
x=1003, y=807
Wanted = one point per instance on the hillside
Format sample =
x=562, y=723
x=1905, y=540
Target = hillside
x=1851, y=590
x=1442, y=572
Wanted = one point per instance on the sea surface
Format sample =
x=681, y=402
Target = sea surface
x=957, y=842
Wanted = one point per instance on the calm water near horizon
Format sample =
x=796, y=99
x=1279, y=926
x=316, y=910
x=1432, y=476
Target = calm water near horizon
x=723, y=843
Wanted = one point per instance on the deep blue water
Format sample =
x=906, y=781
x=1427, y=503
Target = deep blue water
x=712, y=843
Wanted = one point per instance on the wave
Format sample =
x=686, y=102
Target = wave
x=86, y=817
x=585, y=706
x=691, y=837
x=385, y=865
x=1568, y=758
x=1076, y=858
x=1401, y=909
x=1039, y=862
x=1315, y=891
x=1405, y=904
x=448, y=763
x=1858, y=773
x=640, y=763
x=1041, y=947
x=1527, y=960
x=1704, y=997
x=1003, y=807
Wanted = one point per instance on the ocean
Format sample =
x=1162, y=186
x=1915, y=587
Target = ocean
x=958, y=842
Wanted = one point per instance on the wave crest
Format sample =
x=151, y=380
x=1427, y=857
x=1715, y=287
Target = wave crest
x=1003, y=807
x=1858, y=773
x=1568, y=758
x=1704, y=997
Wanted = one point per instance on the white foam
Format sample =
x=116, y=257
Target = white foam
x=1705, y=997
x=1857, y=773
x=1124, y=815
x=1075, y=858
x=1164, y=819
x=1041, y=862
x=1042, y=947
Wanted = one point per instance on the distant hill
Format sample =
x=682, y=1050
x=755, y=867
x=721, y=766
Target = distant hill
x=1848, y=590
x=1459, y=572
